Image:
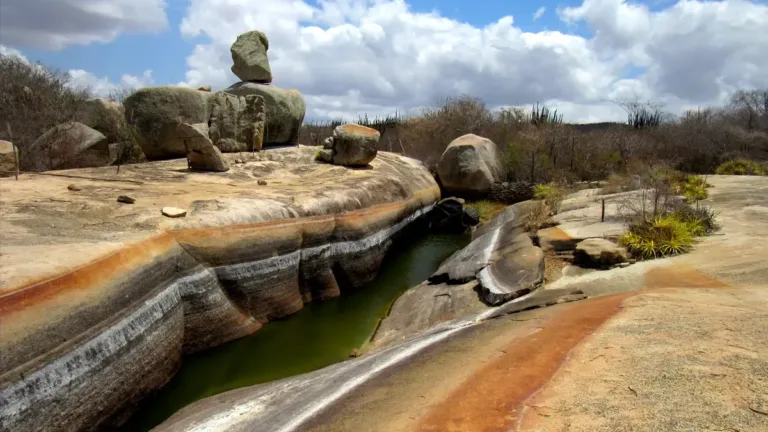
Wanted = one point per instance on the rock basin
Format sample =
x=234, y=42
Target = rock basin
x=99, y=300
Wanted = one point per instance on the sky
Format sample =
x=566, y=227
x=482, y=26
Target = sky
x=378, y=57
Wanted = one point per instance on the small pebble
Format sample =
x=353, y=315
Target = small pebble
x=262, y=182
x=125, y=199
x=73, y=187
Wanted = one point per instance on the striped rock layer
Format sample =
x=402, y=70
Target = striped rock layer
x=79, y=349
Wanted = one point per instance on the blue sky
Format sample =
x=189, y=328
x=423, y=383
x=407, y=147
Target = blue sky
x=351, y=57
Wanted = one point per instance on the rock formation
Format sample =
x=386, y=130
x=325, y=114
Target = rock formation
x=156, y=113
x=469, y=166
x=249, y=55
x=103, y=115
x=94, y=320
x=68, y=145
x=351, y=145
x=201, y=153
x=600, y=253
x=285, y=111
x=450, y=215
x=8, y=157
x=237, y=122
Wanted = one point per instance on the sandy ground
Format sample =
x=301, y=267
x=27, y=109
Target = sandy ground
x=682, y=345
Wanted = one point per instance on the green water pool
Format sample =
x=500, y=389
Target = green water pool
x=321, y=334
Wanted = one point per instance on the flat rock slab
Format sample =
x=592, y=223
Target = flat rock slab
x=48, y=229
x=566, y=236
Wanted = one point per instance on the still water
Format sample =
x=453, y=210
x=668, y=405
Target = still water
x=321, y=334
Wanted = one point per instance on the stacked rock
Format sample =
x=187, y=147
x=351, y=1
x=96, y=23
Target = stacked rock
x=351, y=145
x=285, y=109
x=244, y=117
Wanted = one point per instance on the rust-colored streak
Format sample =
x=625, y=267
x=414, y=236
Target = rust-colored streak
x=87, y=276
x=359, y=130
x=680, y=276
x=492, y=399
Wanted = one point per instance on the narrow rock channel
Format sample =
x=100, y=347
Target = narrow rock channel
x=321, y=334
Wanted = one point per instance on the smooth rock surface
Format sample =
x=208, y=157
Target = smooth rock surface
x=469, y=166
x=201, y=153
x=157, y=111
x=68, y=145
x=173, y=212
x=285, y=111
x=100, y=300
x=8, y=157
x=237, y=122
x=249, y=54
x=518, y=271
x=599, y=252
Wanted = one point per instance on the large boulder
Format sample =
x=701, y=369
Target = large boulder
x=450, y=215
x=106, y=116
x=8, y=158
x=201, y=153
x=352, y=145
x=68, y=145
x=237, y=122
x=285, y=111
x=249, y=54
x=157, y=111
x=469, y=166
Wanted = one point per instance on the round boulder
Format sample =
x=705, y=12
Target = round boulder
x=157, y=111
x=285, y=111
x=354, y=145
x=469, y=166
x=68, y=145
x=249, y=54
x=104, y=115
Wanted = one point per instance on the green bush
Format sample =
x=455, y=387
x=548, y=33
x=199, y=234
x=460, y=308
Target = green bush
x=741, y=167
x=669, y=234
x=694, y=189
x=551, y=193
x=487, y=209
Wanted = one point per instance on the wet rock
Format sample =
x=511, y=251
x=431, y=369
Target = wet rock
x=173, y=212
x=450, y=215
x=600, y=253
x=125, y=199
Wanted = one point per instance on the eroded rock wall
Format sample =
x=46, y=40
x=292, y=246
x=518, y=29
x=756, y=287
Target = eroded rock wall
x=81, y=348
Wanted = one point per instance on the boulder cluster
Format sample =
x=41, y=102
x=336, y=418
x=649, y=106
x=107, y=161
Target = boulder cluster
x=169, y=122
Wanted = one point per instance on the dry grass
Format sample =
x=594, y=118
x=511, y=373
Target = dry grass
x=487, y=209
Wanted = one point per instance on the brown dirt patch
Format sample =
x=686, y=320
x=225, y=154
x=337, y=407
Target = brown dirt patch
x=483, y=403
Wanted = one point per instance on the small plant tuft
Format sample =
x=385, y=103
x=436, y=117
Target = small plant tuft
x=551, y=193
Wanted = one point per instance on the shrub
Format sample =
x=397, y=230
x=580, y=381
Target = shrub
x=694, y=189
x=741, y=167
x=551, y=193
x=538, y=217
x=662, y=236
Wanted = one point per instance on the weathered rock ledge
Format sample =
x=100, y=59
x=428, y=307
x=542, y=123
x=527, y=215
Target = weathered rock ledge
x=99, y=300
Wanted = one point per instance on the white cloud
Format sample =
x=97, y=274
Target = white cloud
x=102, y=87
x=539, y=13
x=351, y=57
x=11, y=52
x=55, y=24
